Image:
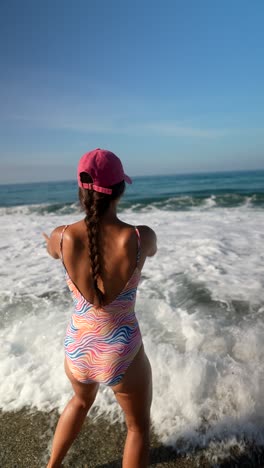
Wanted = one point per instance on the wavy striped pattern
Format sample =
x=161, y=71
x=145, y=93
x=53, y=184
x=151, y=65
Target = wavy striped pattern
x=100, y=343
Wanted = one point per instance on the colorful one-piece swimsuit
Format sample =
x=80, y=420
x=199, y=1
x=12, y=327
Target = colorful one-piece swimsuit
x=101, y=342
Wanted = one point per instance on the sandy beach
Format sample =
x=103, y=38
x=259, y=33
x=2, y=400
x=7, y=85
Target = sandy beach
x=25, y=439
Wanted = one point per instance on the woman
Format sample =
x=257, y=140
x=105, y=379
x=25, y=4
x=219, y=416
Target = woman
x=103, y=258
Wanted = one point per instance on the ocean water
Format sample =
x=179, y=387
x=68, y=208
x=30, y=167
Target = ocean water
x=200, y=304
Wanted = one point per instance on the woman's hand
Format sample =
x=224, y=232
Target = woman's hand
x=46, y=237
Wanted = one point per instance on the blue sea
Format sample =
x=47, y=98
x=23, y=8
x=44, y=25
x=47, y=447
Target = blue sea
x=200, y=304
x=174, y=192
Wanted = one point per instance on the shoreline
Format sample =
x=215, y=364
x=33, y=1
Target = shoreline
x=26, y=436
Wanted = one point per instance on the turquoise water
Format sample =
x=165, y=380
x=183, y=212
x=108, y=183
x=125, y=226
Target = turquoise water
x=173, y=192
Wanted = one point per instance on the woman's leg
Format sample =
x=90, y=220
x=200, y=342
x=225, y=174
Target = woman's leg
x=134, y=394
x=72, y=418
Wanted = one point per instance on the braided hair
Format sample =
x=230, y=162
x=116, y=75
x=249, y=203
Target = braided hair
x=95, y=205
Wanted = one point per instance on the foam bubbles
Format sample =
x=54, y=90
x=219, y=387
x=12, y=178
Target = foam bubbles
x=200, y=308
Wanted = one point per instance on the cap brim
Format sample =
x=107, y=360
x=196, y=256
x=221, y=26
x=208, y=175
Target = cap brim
x=127, y=179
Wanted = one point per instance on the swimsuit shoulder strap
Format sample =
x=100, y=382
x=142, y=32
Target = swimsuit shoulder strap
x=138, y=244
x=61, y=242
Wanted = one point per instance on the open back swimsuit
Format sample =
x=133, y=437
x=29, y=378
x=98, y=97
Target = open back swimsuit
x=101, y=342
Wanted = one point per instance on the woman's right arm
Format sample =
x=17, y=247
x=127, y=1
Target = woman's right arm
x=148, y=240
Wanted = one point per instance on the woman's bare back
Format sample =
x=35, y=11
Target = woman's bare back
x=118, y=244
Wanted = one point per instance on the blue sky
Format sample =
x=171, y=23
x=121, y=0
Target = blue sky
x=170, y=86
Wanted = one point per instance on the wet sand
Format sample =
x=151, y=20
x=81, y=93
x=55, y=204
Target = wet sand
x=25, y=440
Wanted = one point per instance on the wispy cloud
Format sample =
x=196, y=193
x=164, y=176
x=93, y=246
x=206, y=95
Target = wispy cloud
x=95, y=112
x=116, y=126
x=177, y=129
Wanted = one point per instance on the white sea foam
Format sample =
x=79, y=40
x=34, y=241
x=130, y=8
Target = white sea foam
x=200, y=308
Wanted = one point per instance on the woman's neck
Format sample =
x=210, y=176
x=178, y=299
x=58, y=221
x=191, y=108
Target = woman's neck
x=110, y=216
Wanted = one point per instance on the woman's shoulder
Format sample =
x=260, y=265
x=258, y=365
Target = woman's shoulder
x=148, y=239
x=66, y=230
x=68, y=234
x=57, y=232
x=145, y=232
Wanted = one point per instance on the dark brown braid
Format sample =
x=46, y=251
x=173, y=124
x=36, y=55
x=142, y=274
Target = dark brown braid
x=95, y=205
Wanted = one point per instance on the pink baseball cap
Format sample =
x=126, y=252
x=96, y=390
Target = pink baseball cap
x=104, y=167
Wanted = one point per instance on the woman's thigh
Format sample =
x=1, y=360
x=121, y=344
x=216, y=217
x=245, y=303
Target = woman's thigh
x=134, y=392
x=85, y=392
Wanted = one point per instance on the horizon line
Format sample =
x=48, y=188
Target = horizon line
x=226, y=171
